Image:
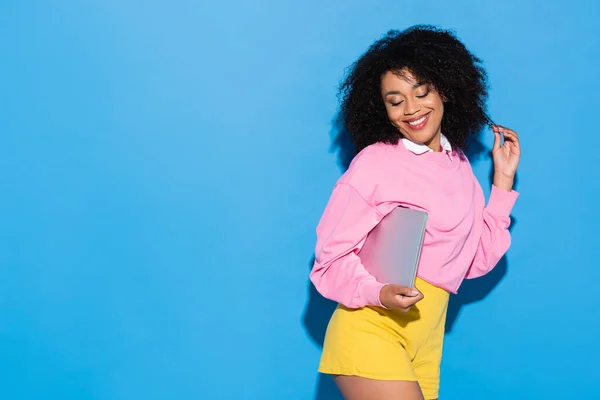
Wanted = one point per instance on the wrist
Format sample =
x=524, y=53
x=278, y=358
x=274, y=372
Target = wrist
x=382, y=291
x=504, y=182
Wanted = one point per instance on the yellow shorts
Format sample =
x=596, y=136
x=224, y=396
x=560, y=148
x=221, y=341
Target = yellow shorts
x=376, y=343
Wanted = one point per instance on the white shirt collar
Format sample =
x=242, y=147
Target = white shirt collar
x=422, y=149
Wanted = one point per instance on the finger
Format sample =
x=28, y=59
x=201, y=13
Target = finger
x=404, y=291
x=508, y=136
x=497, y=140
x=401, y=304
x=512, y=132
x=512, y=137
x=407, y=302
x=509, y=132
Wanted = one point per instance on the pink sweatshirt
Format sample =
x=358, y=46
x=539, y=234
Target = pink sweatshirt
x=464, y=238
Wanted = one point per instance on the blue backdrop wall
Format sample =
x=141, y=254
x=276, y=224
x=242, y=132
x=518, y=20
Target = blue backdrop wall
x=164, y=165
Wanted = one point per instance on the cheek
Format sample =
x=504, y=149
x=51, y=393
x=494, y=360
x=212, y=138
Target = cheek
x=438, y=107
x=393, y=114
x=440, y=110
x=436, y=104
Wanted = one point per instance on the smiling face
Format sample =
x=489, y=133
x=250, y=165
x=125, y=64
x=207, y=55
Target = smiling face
x=415, y=109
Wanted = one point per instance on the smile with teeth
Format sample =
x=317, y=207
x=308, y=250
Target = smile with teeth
x=418, y=123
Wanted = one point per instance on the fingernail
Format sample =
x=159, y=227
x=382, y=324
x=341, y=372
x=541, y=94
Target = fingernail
x=414, y=292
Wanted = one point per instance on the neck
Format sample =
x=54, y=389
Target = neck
x=435, y=143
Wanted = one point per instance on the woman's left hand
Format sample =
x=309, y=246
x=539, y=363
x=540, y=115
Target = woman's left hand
x=506, y=156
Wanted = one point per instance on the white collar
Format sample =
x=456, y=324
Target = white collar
x=422, y=149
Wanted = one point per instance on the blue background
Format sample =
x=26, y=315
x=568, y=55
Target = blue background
x=164, y=165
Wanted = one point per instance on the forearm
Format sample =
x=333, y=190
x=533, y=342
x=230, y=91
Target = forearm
x=346, y=281
x=495, y=237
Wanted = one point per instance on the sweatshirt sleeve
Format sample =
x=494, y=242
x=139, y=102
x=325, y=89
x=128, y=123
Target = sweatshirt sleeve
x=495, y=236
x=337, y=272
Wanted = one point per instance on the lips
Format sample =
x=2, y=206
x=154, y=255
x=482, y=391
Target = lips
x=418, y=122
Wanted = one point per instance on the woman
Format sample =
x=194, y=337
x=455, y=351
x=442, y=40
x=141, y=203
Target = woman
x=410, y=104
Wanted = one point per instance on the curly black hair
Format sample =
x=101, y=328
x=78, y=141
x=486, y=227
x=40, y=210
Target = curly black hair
x=435, y=57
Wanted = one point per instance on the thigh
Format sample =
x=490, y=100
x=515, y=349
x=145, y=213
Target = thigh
x=358, y=388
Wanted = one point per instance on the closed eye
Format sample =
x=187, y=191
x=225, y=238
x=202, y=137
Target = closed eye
x=396, y=104
x=424, y=95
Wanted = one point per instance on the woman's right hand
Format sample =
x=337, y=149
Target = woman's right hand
x=399, y=297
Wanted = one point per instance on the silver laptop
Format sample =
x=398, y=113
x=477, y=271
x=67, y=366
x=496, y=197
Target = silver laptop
x=392, y=249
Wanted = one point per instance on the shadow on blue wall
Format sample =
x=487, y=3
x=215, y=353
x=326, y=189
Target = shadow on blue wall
x=474, y=290
x=319, y=310
x=316, y=317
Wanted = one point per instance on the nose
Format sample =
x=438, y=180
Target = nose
x=412, y=107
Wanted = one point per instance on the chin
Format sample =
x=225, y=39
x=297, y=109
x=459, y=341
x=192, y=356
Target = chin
x=420, y=138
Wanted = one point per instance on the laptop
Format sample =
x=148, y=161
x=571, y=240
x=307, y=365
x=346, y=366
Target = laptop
x=392, y=249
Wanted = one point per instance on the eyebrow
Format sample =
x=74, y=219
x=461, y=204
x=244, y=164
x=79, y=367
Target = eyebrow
x=416, y=85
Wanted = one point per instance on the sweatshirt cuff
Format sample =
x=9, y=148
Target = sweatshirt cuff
x=369, y=293
x=501, y=201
